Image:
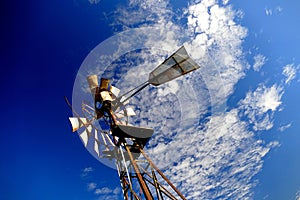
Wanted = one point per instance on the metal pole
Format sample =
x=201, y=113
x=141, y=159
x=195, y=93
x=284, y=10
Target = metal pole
x=162, y=175
x=142, y=183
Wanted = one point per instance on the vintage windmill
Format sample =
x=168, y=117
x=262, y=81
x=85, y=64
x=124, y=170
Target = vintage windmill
x=116, y=140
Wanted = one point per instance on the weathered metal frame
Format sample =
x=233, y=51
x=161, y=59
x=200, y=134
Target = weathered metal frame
x=149, y=187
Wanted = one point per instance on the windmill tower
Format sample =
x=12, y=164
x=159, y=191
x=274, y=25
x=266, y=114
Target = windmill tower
x=116, y=140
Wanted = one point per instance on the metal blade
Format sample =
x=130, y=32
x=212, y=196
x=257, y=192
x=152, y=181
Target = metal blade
x=84, y=137
x=96, y=135
x=77, y=122
x=120, y=114
x=130, y=111
x=93, y=83
x=89, y=129
x=96, y=148
x=115, y=90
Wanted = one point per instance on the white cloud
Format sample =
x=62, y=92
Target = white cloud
x=279, y=9
x=219, y=161
x=298, y=195
x=289, y=71
x=220, y=157
x=275, y=10
x=140, y=12
x=264, y=98
x=91, y=186
x=284, y=127
x=269, y=98
x=104, y=190
x=216, y=43
x=259, y=61
x=94, y=1
x=225, y=2
x=268, y=11
x=257, y=104
x=106, y=193
x=86, y=171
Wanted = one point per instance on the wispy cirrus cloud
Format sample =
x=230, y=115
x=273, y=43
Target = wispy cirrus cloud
x=94, y=1
x=257, y=104
x=259, y=61
x=275, y=10
x=107, y=191
x=104, y=192
x=100, y=192
x=91, y=186
x=289, y=71
x=298, y=195
x=86, y=171
x=284, y=127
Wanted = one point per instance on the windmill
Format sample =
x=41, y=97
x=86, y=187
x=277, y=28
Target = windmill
x=115, y=139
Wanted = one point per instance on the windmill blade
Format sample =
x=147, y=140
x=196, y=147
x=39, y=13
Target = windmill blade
x=96, y=143
x=96, y=148
x=102, y=137
x=77, y=122
x=115, y=90
x=120, y=114
x=130, y=111
x=96, y=135
x=127, y=112
x=108, y=138
x=86, y=134
x=93, y=83
x=84, y=137
x=178, y=64
x=91, y=139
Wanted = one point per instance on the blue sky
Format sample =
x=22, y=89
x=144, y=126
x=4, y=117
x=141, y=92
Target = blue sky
x=42, y=47
x=36, y=76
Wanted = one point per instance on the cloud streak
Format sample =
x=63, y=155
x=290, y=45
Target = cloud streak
x=100, y=192
x=289, y=71
x=259, y=61
x=298, y=195
x=260, y=105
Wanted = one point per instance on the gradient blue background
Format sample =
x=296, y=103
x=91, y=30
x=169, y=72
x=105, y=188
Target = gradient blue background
x=42, y=46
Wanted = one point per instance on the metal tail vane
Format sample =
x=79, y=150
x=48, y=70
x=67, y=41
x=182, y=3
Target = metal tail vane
x=116, y=140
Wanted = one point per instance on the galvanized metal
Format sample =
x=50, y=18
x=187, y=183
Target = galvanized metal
x=178, y=64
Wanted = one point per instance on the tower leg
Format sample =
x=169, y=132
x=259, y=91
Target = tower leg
x=142, y=183
x=143, y=177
